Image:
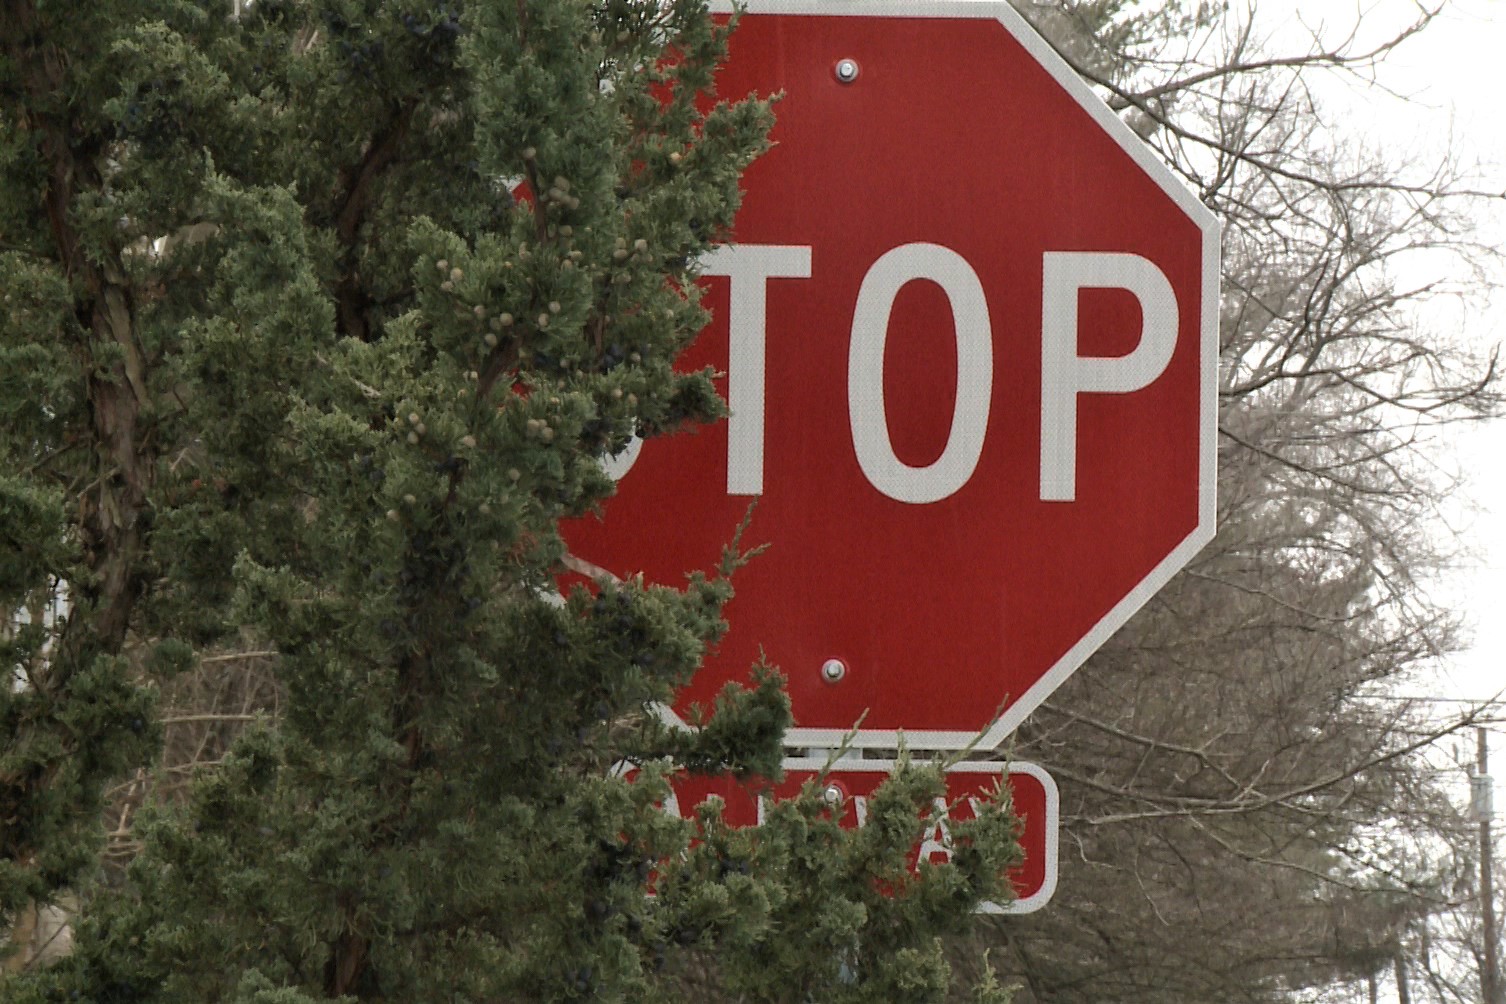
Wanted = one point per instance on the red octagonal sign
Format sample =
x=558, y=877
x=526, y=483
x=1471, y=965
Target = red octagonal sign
x=969, y=338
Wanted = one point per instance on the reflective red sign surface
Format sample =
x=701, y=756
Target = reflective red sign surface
x=969, y=333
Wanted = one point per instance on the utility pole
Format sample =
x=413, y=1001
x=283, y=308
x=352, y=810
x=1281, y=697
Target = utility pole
x=1480, y=805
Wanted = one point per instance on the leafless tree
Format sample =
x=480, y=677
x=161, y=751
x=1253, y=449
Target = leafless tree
x=1248, y=813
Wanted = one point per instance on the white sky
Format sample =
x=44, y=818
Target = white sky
x=1452, y=74
x=1458, y=71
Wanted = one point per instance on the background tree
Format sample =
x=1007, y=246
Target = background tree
x=317, y=321
x=1248, y=814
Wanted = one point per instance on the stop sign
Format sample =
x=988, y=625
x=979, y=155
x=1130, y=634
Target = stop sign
x=969, y=336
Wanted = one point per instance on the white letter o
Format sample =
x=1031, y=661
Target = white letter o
x=865, y=373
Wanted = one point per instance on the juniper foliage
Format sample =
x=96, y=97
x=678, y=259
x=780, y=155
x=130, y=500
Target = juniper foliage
x=317, y=320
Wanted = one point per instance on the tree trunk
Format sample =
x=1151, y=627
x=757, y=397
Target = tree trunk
x=18, y=940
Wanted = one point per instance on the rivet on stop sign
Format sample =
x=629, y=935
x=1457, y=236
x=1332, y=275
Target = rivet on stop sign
x=832, y=670
x=847, y=70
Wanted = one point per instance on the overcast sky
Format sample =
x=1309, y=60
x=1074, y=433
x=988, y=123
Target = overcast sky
x=1450, y=74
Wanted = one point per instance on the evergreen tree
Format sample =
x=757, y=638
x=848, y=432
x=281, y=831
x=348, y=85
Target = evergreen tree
x=317, y=320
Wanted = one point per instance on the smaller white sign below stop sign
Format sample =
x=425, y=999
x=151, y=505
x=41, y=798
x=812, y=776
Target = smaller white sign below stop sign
x=968, y=328
x=848, y=784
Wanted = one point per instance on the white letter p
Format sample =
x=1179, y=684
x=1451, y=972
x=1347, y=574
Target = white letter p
x=1065, y=374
